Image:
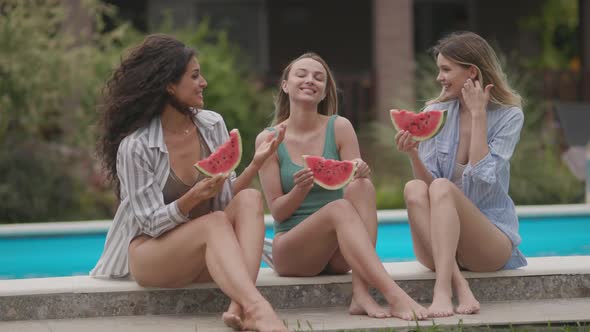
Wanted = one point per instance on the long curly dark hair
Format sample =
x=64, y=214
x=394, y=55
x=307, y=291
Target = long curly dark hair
x=137, y=92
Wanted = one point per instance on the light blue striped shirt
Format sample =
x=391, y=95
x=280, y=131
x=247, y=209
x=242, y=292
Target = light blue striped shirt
x=143, y=166
x=485, y=183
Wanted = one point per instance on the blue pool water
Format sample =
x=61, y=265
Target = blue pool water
x=66, y=255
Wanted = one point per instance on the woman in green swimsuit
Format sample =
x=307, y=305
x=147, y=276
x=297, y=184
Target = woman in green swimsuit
x=318, y=230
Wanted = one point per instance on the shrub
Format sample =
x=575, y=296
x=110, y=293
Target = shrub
x=38, y=188
x=50, y=86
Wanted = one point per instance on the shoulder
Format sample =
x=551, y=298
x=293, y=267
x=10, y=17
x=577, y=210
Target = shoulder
x=342, y=124
x=507, y=114
x=208, y=118
x=264, y=134
x=343, y=131
x=213, y=127
x=515, y=112
x=444, y=105
x=135, y=143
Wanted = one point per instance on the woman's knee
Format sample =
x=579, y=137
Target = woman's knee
x=362, y=185
x=250, y=198
x=416, y=193
x=220, y=223
x=440, y=189
x=340, y=207
x=342, y=211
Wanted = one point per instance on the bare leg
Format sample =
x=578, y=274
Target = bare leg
x=458, y=229
x=466, y=302
x=361, y=194
x=418, y=207
x=307, y=248
x=246, y=213
x=209, y=243
x=418, y=204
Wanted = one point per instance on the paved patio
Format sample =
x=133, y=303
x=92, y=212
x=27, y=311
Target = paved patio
x=493, y=314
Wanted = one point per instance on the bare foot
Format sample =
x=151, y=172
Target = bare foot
x=233, y=317
x=259, y=316
x=467, y=304
x=363, y=304
x=442, y=305
x=232, y=321
x=406, y=308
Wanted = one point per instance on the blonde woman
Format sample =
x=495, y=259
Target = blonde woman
x=317, y=230
x=460, y=214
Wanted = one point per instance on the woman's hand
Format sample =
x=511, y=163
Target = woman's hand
x=404, y=142
x=208, y=187
x=362, y=169
x=269, y=146
x=474, y=97
x=303, y=180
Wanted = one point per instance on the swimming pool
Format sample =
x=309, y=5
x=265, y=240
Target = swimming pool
x=53, y=255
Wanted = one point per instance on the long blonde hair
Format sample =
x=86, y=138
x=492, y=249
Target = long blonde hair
x=469, y=49
x=328, y=106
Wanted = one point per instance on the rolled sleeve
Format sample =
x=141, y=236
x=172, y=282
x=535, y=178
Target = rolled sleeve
x=484, y=170
x=177, y=216
x=501, y=147
x=137, y=177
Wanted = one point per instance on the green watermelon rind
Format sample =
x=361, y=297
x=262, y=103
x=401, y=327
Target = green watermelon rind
x=439, y=126
x=234, y=166
x=326, y=186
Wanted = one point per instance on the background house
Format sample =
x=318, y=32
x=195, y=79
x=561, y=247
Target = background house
x=370, y=45
x=58, y=54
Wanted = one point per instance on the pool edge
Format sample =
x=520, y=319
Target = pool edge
x=384, y=216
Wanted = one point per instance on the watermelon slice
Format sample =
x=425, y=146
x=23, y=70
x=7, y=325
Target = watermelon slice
x=225, y=159
x=329, y=173
x=422, y=126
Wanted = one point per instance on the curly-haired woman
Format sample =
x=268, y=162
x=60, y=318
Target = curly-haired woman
x=172, y=227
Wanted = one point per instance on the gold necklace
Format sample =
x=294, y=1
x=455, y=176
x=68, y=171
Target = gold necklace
x=183, y=132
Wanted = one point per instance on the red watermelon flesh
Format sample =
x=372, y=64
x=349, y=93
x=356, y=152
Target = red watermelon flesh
x=225, y=158
x=422, y=126
x=329, y=173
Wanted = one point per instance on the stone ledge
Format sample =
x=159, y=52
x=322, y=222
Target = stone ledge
x=399, y=271
x=82, y=296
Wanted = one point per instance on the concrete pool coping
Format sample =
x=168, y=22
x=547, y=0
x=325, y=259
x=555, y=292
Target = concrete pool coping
x=384, y=216
x=538, y=266
x=82, y=296
x=560, y=277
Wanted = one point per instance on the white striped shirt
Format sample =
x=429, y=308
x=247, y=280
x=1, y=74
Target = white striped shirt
x=485, y=183
x=143, y=167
